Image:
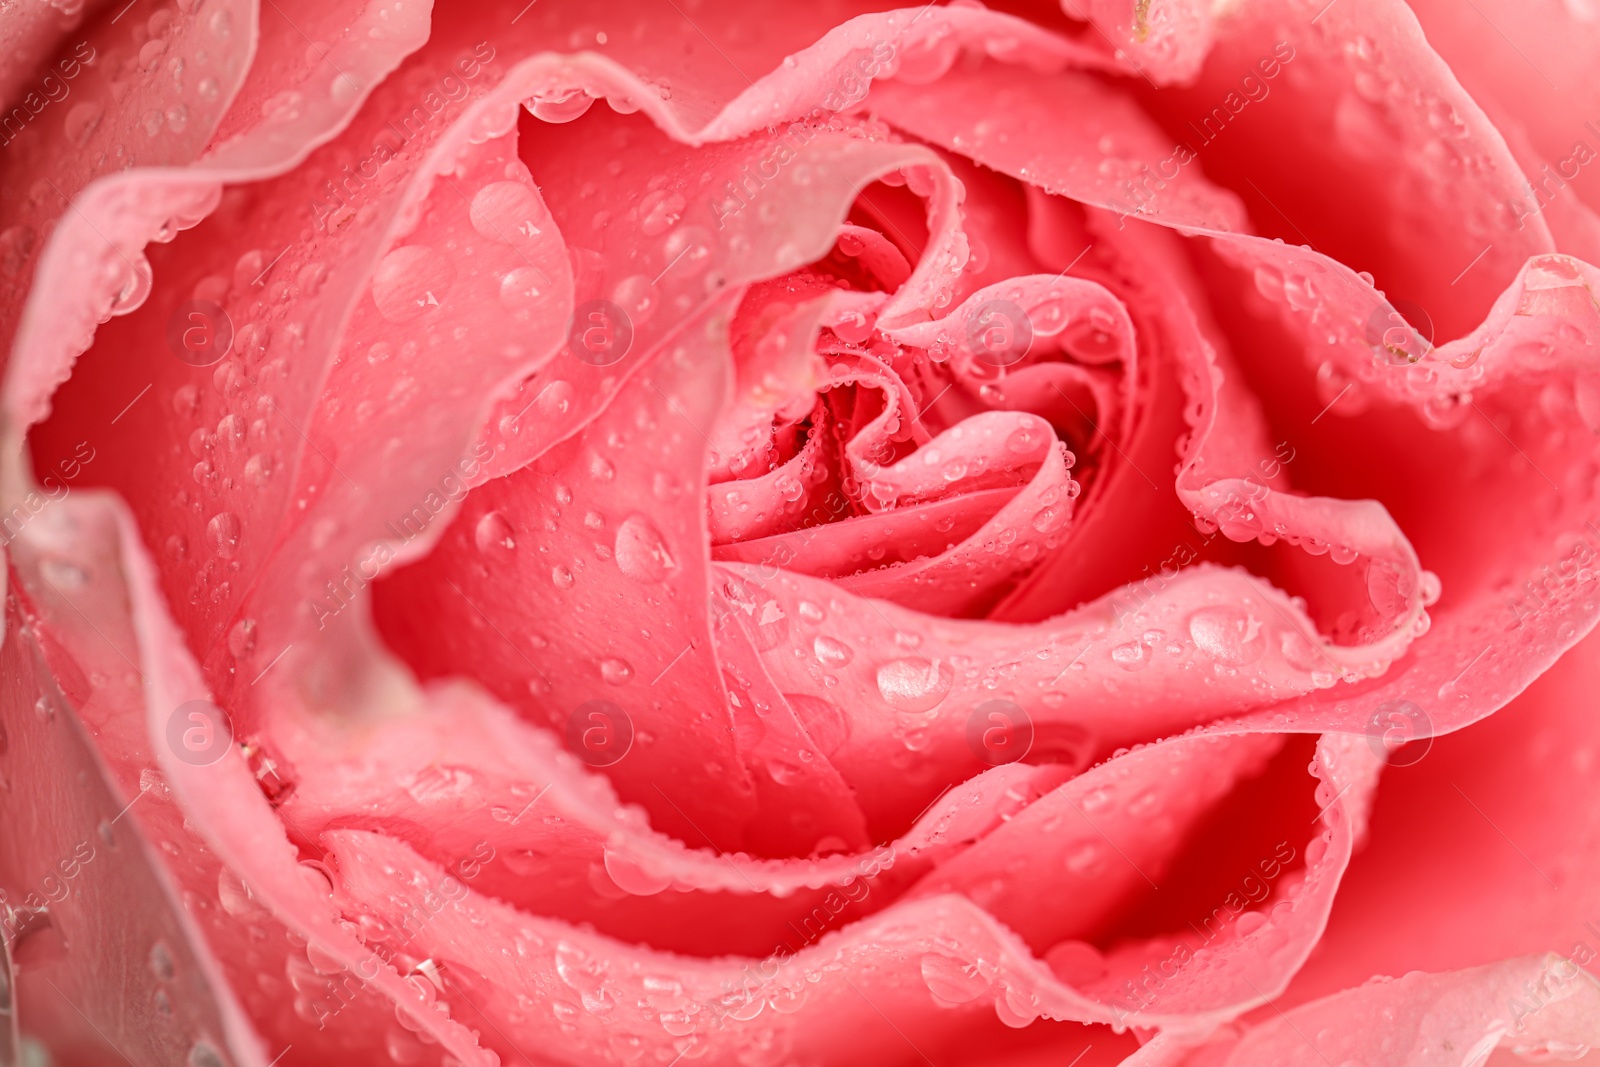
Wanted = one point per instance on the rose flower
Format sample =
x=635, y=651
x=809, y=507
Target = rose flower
x=761, y=534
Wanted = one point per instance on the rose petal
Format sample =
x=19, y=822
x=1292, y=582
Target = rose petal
x=1535, y=1007
x=1545, y=126
x=1377, y=129
x=102, y=947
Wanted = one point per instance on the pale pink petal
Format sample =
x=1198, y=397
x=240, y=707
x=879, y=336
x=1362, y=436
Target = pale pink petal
x=1527, y=67
x=1538, y=1008
x=99, y=950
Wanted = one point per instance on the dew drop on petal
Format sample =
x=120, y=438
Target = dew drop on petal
x=1133, y=656
x=832, y=651
x=914, y=685
x=493, y=534
x=82, y=118
x=509, y=212
x=411, y=281
x=222, y=533
x=631, y=877
x=522, y=289
x=952, y=981
x=641, y=553
x=1228, y=635
x=555, y=399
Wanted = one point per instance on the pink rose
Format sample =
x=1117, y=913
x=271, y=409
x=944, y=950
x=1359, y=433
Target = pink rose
x=898, y=537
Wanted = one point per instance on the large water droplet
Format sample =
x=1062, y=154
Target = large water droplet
x=641, y=553
x=638, y=297
x=659, y=212
x=222, y=533
x=615, y=671
x=824, y=723
x=509, y=212
x=1133, y=656
x=687, y=251
x=411, y=281
x=555, y=399
x=82, y=118
x=235, y=895
x=832, y=651
x=562, y=106
x=631, y=877
x=242, y=637
x=493, y=534
x=522, y=289
x=1016, y=1007
x=1227, y=635
x=952, y=981
x=914, y=685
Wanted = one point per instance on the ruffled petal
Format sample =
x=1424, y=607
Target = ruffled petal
x=100, y=948
x=1535, y=1007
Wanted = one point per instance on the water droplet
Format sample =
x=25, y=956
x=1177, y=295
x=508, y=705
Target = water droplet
x=522, y=289
x=234, y=895
x=1016, y=1007
x=832, y=651
x=786, y=1000
x=1027, y=439
x=615, y=671
x=952, y=981
x=638, y=298
x=411, y=281
x=1227, y=635
x=493, y=534
x=555, y=399
x=1133, y=656
x=687, y=252
x=242, y=638
x=202, y=1055
x=561, y=106
x=81, y=120
x=257, y=469
x=632, y=877
x=562, y=576
x=133, y=283
x=783, y=772
x=230, y=431
x=222, y=534
x=641, y=553
x=509, y=212
x=824, y=723
x=161, y=964
x=914, y=685
x=659, y=212
x=1085, y=858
